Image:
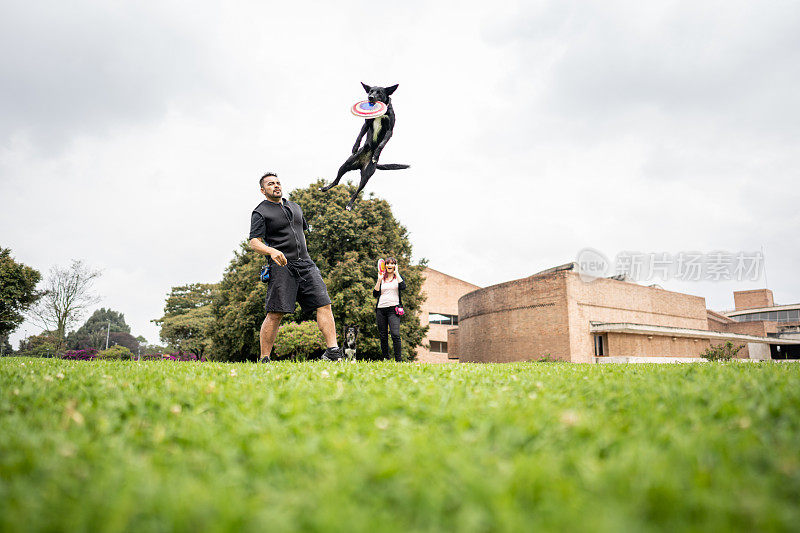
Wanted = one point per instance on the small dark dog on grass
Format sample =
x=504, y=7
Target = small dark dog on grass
x=378, y=131
x=350, y=338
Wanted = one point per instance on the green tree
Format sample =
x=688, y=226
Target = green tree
x=120, y=338
x=188, y=317
x=5, y=348
x=45, y=344
x=93, y=332
x=238, y=309
x=17, y=294
x=346, y=246
x=68, y=292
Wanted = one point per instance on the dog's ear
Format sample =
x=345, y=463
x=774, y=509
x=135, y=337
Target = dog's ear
x=393, y=88
x=366, y=87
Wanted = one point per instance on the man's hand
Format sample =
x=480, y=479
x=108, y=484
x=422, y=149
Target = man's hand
x=278, y=257
x=261, y=248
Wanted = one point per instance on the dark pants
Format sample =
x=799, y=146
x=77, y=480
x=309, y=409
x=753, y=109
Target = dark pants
x=298, y=281
x=387, y=317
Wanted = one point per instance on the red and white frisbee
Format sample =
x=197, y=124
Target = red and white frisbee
x=366, y=109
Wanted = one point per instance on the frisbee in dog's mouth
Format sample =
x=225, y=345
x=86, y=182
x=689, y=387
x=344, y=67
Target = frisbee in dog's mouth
x=367, y=109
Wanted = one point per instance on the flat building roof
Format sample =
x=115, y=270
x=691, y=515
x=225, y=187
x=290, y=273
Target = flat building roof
x=666, y=331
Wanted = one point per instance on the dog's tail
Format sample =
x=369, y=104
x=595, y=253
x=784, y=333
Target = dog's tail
x=391, y=166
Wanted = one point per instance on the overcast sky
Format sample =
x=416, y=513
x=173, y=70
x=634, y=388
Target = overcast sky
x=132, y=135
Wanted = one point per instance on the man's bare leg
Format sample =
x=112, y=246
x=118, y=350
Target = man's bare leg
x=269, y=330
x=327, y=325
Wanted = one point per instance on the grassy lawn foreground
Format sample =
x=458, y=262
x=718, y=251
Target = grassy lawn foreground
x=162, y=446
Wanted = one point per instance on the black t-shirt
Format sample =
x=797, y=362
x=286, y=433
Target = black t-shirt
x=281, y=226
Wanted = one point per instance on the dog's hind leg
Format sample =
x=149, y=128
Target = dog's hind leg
x=366, y=173
x=350, y=164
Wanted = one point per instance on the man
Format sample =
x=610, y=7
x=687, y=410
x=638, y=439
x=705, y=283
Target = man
x=293, y=275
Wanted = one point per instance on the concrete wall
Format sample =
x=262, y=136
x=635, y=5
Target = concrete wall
x=641, y=359
x=758, y=351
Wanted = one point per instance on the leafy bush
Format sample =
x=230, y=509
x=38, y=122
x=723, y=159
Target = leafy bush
x=721, y=352
x=117, y=353
x=45, y=349
x=45, y=344
x=298, y=341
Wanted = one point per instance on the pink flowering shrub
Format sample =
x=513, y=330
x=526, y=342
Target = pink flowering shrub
x=89, y=354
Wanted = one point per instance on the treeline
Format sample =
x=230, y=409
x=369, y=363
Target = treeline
x=56, y=306
x=105, y=331
x=221, y=320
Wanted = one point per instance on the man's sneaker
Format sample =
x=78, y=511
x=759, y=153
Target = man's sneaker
x=265, y=359
x=332, y=354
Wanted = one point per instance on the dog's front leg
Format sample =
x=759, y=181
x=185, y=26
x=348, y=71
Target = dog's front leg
x=378, y=149
x=360, y=136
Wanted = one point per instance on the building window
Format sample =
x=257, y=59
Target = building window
x=791, y=315
x=599, y=346
x=438, y=347
x=440, y=318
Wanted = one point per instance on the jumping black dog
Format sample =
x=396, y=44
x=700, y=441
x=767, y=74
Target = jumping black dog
x=378, y=132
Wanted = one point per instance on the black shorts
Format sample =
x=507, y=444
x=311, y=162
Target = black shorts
x=298, y=281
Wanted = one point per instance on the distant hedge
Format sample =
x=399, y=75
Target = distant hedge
x=122, y=353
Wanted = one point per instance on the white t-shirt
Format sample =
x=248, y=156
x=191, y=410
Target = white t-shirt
x=390, y=293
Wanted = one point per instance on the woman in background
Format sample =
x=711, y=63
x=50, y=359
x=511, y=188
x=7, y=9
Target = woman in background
x=389, y=307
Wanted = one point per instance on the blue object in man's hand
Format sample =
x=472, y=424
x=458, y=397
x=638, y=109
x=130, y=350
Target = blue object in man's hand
x=264, y=275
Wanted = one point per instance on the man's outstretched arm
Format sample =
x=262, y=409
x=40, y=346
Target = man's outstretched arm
x=259, y=247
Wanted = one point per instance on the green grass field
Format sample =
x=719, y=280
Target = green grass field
x=162, y=446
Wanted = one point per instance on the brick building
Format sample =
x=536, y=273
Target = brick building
x=560, y=315
x=757, y=314
x=440, y=312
